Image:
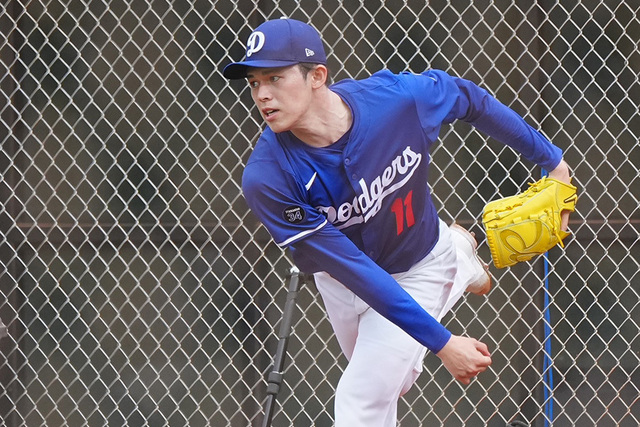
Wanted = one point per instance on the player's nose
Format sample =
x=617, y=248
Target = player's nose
x=264, y=93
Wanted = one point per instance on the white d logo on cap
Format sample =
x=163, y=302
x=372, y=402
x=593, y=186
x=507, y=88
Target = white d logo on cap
x=255, y=43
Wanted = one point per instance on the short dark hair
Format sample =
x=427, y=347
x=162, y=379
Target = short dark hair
x=306, y=67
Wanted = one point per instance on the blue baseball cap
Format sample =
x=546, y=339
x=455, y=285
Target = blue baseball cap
x=279, y=43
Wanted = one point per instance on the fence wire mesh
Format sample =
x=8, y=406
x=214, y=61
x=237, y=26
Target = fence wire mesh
x=136, y=288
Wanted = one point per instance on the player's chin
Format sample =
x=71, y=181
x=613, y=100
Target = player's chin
x=278, y=127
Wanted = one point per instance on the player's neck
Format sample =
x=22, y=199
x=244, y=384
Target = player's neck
x=326, y=123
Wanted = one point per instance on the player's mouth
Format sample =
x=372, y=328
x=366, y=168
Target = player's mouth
x=269, y=113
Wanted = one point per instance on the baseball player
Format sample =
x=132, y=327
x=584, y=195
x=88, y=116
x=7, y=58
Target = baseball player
x=339, y=176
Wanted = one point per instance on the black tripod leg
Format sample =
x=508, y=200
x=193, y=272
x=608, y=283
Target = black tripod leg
x=274, y=379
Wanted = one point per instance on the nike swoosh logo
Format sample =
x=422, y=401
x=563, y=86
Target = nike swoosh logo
x=313, y=178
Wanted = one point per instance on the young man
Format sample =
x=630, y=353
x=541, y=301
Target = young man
x=340, y=178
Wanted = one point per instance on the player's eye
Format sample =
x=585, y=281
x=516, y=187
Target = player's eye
x=253, y=84
x=275, y=78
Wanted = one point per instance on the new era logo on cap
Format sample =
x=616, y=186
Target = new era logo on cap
x=279, y=43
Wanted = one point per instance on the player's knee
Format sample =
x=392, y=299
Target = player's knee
x=359, y=405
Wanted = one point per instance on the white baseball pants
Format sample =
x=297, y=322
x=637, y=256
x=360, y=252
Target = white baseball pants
x=384, y=361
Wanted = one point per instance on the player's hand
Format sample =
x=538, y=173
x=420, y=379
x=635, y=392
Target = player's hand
x=562, y=173
x=465, y=358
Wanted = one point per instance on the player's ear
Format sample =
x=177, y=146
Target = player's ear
x=319, y=76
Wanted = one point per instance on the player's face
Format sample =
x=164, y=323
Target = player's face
x=282, y=95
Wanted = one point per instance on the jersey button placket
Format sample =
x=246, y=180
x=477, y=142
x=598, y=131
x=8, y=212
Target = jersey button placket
x=347, y=163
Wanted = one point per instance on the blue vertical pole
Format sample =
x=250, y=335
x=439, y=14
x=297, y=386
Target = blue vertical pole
x=547, y=364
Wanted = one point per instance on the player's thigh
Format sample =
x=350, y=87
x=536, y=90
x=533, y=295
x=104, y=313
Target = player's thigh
x=343, y=308
x=430, y=282
x=383, y=360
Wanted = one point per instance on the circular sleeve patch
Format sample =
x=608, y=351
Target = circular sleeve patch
x=294, y=214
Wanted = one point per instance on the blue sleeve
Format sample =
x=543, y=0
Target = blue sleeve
x=340, y=258
x=279, y=203
x=484, y=112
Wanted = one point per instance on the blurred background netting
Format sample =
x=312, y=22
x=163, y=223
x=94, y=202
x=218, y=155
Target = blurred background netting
x=137, y=289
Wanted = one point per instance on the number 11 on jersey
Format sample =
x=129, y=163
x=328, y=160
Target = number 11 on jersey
x=403, y=210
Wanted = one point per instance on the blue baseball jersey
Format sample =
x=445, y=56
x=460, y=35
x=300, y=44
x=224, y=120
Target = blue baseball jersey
x=360, y=209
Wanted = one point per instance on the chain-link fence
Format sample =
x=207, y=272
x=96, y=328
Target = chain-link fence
x=137, y=289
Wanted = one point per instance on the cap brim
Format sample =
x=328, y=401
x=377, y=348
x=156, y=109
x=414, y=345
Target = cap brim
x=238, y=70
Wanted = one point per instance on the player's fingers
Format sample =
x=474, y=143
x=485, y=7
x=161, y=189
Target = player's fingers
x=481, y=368
x=482, y=348
x=485, y=362
x=469, y=375
x=464, y=380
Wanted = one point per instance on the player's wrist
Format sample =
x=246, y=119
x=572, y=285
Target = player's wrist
x=561, y=172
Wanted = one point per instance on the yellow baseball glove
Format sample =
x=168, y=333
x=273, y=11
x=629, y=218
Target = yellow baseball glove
x=528, y=224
